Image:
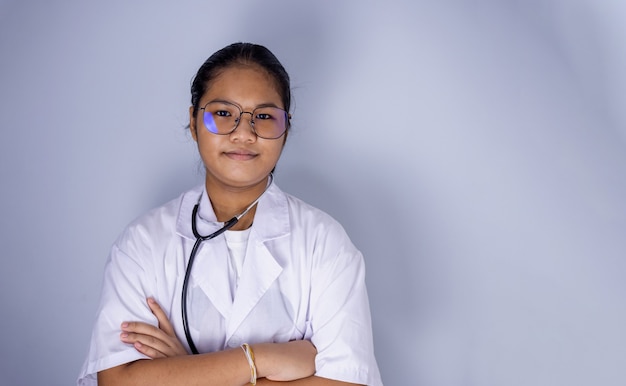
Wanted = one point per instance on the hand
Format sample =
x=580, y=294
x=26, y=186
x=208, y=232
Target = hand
x=155, y=342
x=285, y=361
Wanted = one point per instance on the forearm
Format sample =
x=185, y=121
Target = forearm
x=281, y=361
x=228, y=367
x=309, y=381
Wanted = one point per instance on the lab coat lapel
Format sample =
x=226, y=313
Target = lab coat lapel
x=210, y=273
x=210, y=267
x=260, y=270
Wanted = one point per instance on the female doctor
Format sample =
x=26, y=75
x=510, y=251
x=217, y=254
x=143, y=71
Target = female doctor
x=263, y=287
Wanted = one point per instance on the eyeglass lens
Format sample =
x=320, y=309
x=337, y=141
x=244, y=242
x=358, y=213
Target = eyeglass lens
x=267, y=122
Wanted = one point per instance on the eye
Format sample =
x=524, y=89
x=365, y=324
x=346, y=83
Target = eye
x=222, y=113
x=263, y=116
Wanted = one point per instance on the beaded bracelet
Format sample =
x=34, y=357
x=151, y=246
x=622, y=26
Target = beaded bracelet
x=250, y=357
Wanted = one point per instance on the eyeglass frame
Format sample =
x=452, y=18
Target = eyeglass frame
x=251, y=120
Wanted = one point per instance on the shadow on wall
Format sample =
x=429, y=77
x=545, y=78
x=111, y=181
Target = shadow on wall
x=370, y=226
x=308, y=49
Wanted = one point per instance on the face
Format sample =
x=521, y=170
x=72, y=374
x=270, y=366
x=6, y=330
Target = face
x=239, y=160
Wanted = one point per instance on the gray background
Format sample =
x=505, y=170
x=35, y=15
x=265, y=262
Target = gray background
x=474, y=151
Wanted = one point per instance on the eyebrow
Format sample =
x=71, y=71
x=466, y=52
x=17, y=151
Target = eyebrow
x=267, y=104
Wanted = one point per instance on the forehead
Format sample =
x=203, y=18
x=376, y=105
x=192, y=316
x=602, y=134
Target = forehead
x=241, y=83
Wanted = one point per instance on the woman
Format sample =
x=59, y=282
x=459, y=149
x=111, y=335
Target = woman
x=280, y=296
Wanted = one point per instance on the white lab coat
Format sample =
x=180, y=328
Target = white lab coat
x=302, y=278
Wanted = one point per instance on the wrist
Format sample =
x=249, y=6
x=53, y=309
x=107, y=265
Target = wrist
x=263, y=359
x=249, y=353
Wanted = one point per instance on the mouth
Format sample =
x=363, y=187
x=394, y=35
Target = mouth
x=240, y=155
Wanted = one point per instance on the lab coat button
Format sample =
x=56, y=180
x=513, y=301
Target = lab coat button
x=235, y=341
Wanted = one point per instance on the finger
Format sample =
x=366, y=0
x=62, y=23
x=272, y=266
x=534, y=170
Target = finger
x=144, y=329
x=146, y=333
x=147, y=344
x=164, y=322
x=148, y=351
x=154, y=337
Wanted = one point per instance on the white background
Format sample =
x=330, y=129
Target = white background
x=474, y=150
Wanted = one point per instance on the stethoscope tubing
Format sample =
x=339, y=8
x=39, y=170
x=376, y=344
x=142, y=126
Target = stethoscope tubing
x=199, y=239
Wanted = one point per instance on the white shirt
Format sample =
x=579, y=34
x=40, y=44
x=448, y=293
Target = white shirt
x=237, y=242
x=302, y=278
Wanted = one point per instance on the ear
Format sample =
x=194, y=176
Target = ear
x=285, y=137
x=192, y=124
x=288, y=129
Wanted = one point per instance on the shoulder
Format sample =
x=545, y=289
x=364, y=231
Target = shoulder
x=156, y=226
x=321, y=230
x=304, y=216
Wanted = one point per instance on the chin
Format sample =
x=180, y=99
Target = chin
x=242, y=180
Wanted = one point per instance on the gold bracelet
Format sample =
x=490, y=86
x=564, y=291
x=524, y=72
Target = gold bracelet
x=247, y=350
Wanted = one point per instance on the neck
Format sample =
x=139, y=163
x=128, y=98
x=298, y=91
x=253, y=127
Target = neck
x=229, y=202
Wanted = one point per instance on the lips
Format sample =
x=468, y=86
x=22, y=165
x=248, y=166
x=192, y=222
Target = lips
x=240, y=155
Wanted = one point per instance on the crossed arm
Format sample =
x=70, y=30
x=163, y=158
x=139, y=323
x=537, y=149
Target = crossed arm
x=291, y=363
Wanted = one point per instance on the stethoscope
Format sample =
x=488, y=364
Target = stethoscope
x=199, y=239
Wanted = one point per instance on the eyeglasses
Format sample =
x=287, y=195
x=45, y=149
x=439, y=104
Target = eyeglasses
x=223, y=118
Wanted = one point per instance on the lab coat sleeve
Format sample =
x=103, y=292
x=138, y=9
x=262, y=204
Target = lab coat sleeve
x=125, y=287
x=339, y=311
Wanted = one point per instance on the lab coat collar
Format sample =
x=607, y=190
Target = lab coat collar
x=270, y=221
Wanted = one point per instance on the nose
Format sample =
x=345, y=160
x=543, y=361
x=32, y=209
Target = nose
x=243, y=134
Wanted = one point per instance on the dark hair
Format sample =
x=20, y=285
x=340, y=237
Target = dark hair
x=243, y=54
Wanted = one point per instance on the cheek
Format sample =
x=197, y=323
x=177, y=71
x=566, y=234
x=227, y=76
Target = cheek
x=207, y=142
x=278, y=148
